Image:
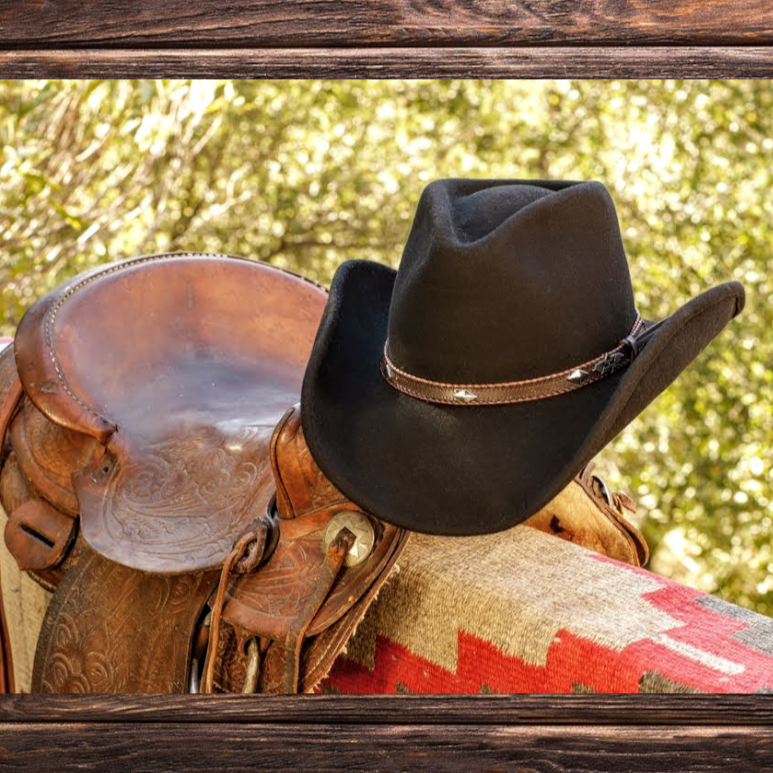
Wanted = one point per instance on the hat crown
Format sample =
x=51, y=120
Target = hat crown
x=509, y=280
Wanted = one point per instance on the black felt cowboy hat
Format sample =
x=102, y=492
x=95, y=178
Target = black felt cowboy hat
x=461, y=393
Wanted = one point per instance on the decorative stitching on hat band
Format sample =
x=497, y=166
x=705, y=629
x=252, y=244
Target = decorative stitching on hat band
x=519, y=391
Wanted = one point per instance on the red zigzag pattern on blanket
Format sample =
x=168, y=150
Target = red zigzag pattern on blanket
x=706, y=654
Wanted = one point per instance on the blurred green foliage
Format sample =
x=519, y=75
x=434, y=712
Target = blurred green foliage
x=306, y=174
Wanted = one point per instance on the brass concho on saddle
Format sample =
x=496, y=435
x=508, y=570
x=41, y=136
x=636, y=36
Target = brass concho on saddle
x=156, y=479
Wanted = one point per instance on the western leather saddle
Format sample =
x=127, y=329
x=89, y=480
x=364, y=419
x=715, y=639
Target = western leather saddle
x=156, y=478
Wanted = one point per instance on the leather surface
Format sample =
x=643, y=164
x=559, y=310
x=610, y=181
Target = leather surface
x=15, y=494
x=39, y=535
x=582, y=514
x=49, y=455
x=184, y=405
x=301, y=605
x=111, y=629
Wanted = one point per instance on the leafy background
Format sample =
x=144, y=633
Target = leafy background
x=306, y=174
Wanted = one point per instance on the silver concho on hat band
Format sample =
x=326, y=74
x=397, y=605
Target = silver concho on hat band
x=520, y=391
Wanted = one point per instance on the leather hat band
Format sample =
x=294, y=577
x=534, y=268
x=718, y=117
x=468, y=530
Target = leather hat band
x=520, y=391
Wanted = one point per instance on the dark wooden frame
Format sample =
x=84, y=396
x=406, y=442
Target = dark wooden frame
x=388, y=38
x=379, y=62
x=388, y=733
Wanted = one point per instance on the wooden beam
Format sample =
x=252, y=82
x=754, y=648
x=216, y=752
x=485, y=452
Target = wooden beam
x=521, y=710
x=322, y=23
x=530, y=62
x=170, y=735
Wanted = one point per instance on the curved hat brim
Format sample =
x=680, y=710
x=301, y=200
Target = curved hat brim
x=463, y=470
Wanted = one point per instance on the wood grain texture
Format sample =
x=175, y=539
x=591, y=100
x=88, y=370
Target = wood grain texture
x=333, y=748
x=306, y=710
x=387, y=38
x=596, y=62
x=269, y=23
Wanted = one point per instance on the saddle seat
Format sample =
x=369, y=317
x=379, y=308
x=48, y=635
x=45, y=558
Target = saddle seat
x=178, y=367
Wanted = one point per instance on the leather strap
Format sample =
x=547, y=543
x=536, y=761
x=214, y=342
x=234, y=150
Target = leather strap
x=518, y=391
x=257, y=538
